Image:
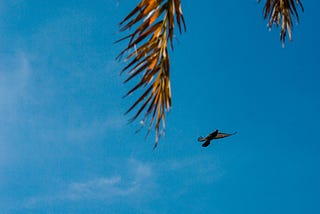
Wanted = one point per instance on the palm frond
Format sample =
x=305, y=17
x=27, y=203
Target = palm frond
x=147, y=51
x=282, y=11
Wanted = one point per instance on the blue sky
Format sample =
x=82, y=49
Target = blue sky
x=65, y=146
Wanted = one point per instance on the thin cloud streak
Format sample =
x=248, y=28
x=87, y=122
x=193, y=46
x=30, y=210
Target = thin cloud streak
x=15, y=74
x=136, y=181
x=14, y=80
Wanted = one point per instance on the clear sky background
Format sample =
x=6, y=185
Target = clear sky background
x=64, y=143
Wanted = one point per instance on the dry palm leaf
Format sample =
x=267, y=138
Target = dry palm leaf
x=282, y=11
x=147, y=52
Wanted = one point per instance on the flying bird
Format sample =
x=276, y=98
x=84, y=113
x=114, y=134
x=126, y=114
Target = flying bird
x=212, y=136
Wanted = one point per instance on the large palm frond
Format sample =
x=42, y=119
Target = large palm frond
x=282, y=11
x=147, y=52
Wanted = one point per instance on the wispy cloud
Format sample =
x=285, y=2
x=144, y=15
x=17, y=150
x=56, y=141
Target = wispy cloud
x=109, y=189
x=14, y=78
x=60, y=72
x=134, y=182
x=15, y=72
x=100, y=188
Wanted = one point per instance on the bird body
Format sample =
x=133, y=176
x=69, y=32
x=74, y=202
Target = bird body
x=213, y=136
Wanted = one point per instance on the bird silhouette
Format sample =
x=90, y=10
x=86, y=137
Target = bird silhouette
x=212, y=136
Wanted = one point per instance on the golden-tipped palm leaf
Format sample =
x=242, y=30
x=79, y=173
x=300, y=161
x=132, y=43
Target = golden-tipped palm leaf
x=282, y=11
x=147, y=52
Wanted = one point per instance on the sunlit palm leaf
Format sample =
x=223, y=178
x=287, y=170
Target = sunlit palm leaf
x=147, y=51
x=282, y=11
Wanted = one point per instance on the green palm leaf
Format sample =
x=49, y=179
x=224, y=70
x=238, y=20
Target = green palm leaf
x=147, y=52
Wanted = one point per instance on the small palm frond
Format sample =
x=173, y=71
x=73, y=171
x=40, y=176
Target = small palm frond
x=147, y=51
x=282, y=11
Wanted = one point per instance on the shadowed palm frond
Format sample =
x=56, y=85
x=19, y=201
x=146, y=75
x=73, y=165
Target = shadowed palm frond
x=282, y=11
x=147, y=53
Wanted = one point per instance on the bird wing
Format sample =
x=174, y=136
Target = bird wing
x=223, y=135
x=205, y=144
